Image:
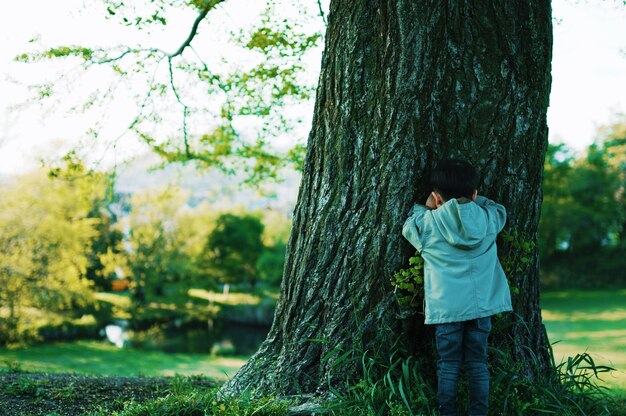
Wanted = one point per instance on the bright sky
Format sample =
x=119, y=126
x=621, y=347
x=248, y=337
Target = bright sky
x=588, y=69
x=588, y=88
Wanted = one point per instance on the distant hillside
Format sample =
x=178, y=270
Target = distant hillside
x=211, y=186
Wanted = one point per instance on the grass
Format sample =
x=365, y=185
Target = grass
x=577, y=322
x=99, y=358
x=230, y=299
x=592, y=322
x=73, y=395
x=121, y=300
x=185, y=399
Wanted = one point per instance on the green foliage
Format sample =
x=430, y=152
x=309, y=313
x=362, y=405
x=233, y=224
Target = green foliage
x=59, y=52
x=164, y=244
x=170, y=248
x=14, y=366
x=271, y=263
x=142, y=17
x=408, y=283
x=393, y=385
x=45, y=232
x=571, y=390
x=580, y=213
x=60, y=237
x=106, y=248
x=396, y=385
x=185, y=399
x=234, y=247
x=516, y=255
x=280, y=39
x=583, y=216
x=26, y=386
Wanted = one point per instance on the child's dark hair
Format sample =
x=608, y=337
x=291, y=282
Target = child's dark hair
x=454, y=178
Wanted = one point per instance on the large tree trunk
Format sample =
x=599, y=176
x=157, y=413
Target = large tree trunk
x=403, y=84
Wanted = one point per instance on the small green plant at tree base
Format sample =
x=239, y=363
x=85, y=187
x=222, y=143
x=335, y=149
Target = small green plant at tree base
x=515, y=258
x=14, y=366
x=398, y=385
x=26, y=386
x=409, y=282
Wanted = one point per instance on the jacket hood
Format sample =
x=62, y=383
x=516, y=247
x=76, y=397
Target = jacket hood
x=461, y=225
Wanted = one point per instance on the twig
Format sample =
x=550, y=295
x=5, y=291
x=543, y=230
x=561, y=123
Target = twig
x=109, y=60
x=319, y=4
x=185, y=107
x=194, y=29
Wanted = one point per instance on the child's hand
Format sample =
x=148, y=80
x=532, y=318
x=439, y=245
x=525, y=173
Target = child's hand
x=430, y=202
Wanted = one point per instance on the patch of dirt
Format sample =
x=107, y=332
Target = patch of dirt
x=72, y=394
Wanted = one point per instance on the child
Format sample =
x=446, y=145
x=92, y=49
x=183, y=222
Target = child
x=464, y=283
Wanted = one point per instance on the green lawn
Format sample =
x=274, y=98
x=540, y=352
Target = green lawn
x=577, y=322
x=100, y=358
x=592, y=322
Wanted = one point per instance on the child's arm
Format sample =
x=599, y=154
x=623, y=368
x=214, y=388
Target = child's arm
x=497, y=211
x=412, y=228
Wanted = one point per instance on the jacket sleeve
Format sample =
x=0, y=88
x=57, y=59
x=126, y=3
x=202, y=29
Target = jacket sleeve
x=413, y=226
x=496, y=211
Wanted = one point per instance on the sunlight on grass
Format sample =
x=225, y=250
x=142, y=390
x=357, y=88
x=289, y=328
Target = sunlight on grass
x=122, y=300
x=589, y=294
x=615, y=315
x=120, y=303
x=616, y=359
x=604, y=336
x=592, y=322
x=117, y=299
x=230, y=299
x=99, y=358
x=163, y=305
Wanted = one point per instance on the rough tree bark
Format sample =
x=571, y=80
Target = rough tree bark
x=403, y=84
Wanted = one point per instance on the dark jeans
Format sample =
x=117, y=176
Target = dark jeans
x=459, y=342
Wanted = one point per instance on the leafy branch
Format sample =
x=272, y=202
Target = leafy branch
x=258, y=93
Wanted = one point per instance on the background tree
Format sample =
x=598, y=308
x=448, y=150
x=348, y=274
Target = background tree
x=594, y=213
x=271, y=263
x=234, y=247
x=552, y=231
x=581, y=229
x=46, y=232
x=614, y=142
x=107, y=245
x=163, y=243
